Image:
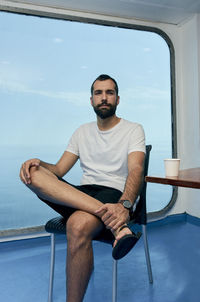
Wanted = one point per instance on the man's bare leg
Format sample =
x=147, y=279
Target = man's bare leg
x=46, y=185
x=81, y=228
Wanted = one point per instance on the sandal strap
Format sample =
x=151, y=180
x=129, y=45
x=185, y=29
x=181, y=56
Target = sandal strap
x=123, y=227
x=126, y=226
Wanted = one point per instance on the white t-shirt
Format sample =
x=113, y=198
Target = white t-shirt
x=104, y=154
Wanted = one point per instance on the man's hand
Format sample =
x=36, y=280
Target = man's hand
x=25, y=170
x=113, y=215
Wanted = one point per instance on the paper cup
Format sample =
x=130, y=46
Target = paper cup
x=172, y=166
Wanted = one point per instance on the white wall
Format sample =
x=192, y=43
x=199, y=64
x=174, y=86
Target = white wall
x=188, y=109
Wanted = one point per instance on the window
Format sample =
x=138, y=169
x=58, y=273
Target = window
x=46, y=70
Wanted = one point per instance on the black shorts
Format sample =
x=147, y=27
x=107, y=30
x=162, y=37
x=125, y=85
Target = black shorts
x=102, y=193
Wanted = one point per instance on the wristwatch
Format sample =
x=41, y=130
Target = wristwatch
x=129, y=206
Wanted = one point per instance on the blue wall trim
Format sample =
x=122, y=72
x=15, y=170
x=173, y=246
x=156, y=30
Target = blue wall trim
x=183, y=217
x=193, y=220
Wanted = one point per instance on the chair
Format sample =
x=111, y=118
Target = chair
x=57, y=226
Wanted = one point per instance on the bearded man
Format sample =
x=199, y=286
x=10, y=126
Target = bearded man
x=111, y=151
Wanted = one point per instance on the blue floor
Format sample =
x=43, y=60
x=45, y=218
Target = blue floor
x=175, y=256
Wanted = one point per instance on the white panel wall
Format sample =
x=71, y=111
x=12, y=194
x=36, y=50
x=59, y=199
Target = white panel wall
x=188, y=109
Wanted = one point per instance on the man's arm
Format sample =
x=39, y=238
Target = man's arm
x=115, y=215
x=65, y=163
x=135, y=176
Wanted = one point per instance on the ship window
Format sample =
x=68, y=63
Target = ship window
x=46, y=70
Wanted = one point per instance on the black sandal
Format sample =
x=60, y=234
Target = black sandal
x=125, y=244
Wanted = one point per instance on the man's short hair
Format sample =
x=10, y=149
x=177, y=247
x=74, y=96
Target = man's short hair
x=104, y=77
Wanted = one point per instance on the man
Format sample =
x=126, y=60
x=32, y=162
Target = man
x=111, y=153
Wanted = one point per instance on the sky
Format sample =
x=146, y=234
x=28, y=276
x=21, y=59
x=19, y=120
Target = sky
x=47, y=67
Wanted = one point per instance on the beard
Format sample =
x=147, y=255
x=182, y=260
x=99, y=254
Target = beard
x=104, y=113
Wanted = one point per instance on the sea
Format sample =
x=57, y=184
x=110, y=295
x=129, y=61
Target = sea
x=20, y=208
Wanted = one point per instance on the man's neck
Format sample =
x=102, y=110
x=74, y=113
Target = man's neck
x=107, y=123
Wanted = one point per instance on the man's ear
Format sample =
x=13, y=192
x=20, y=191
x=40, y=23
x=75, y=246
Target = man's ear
x=118, y=98
x=91, y=101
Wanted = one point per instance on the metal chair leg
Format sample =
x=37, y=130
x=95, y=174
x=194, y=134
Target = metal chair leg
x=146, y=248
x=52, y=264
x=114, y=281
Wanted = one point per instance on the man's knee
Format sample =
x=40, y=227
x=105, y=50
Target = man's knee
x=76, y=229
x=83, y=227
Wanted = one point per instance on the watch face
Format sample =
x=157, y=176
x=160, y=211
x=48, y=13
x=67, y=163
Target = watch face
x=127, y=204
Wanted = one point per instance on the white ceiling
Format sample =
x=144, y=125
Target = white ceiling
x=167, y=11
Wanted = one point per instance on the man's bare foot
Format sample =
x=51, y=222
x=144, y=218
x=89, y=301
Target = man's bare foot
x=121, y=233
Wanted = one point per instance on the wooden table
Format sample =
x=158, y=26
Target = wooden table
x=189, y=178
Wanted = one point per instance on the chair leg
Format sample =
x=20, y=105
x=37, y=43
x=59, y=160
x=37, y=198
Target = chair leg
x=114, y=281
x=52, y=264
x=146, y=248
